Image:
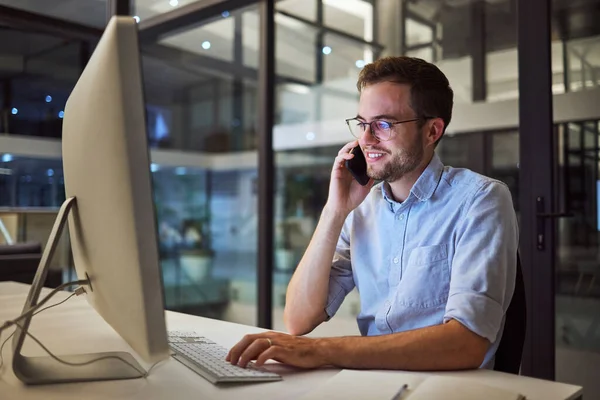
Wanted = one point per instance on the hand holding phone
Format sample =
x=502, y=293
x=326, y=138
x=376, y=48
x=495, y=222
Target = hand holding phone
x=358, y=166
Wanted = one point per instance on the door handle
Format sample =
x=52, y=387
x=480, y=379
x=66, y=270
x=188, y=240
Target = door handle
x=541, y=221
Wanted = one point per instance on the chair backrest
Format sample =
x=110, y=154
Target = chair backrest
x=510, y=349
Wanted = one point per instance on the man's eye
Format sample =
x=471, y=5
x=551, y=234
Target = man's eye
x=383, y=125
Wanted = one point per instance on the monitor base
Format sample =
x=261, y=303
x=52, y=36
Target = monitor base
x=46, y=370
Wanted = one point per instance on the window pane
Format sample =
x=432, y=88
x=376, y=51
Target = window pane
x=426, y=53
x=213, y=40
x=584, y=63
x=303, y=8
x=351, y=16
x=343, y=61
x=30, y=182
x=418, y=33
x=150, y=8
x=87, y=12
x=39, y=73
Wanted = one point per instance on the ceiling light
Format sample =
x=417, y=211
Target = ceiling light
x=48, y=99
x=7, y=157
x=326, y=50
x=61, y=114
x=310, y=136
x=174, y=3
x=137, y=19
x=225, y=14
x=206, y=45
x=14, y=111
x=360, y=63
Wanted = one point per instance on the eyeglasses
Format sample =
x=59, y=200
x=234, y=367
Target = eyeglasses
x=380, y=129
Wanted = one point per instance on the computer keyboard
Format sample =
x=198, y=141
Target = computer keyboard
x=207, y=359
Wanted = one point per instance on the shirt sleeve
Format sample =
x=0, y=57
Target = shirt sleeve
x=483, y=271
x=341, y=280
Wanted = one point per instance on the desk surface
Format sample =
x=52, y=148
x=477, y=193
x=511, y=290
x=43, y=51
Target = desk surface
x=75, y=327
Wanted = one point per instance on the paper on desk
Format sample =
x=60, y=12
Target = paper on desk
x=353, y=384
x=360, y=385
x=450, y=388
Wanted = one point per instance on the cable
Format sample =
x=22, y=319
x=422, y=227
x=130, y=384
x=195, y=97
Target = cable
x=143, y=373
x=31, y=310
x=11, y=335
x=77, y=292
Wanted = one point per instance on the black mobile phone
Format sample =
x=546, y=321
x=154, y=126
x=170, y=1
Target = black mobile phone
x=358, y=166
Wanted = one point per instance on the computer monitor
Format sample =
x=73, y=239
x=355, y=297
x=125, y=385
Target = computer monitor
x=110, y=212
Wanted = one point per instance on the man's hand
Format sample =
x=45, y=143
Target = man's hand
x=292, y=350
x=345, y=193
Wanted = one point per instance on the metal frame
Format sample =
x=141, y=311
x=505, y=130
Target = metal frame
x=266, y=167
x=536, y=182
x=478, y=51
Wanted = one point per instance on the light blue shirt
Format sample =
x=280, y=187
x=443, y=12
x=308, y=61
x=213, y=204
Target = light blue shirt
x=449, y=251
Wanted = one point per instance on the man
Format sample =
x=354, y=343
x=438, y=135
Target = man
x=431, y=249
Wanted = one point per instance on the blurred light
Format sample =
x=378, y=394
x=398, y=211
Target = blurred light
x=310, y=136
x=137, y=19
x=326, y=50
x=296, y=88
x=206, y=45
x=48, y=99
x=154, y=167
x=14, y=111
x=61, y=114
x=50, y=172
x=180, y=171
x=7, y=157
x=225, y=14
x=360, y=63
x=174, y=3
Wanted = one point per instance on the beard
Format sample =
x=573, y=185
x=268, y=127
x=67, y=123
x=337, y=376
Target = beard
x=402, y=162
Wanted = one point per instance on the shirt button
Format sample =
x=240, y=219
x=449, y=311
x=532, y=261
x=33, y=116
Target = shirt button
x=396, y=260
x=401, y=217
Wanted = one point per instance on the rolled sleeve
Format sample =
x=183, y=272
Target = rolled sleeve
x=341, y=280
x=483, y=269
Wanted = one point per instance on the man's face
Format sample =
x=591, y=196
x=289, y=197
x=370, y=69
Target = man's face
x=392, y=159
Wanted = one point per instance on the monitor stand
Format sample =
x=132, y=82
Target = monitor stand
x=46, y=370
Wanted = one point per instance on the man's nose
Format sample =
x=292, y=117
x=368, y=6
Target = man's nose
x=367, y=137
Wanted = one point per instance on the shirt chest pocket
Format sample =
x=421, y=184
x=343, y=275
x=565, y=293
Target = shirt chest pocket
x=425, y=278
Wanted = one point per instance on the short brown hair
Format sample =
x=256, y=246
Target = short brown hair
x=430, y=91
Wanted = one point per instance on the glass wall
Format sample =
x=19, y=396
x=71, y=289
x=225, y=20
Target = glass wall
x=202, y=110
x=317, y=67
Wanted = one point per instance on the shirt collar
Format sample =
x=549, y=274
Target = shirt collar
x=425, y=186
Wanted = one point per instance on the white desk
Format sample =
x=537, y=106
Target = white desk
x=75, y=327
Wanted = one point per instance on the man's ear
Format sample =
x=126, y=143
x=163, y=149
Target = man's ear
x=435, y=129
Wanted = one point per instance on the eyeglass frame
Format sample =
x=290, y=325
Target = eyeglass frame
x=392, y=124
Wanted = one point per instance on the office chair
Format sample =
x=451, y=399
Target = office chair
x=510, y=349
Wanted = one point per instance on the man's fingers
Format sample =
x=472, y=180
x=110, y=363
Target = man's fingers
x=237, y=350
x=268, y=354
x=253, y=351
x=339, y=160
x=347, y=147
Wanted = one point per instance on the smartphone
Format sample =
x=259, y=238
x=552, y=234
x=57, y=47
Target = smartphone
x=358, y=166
